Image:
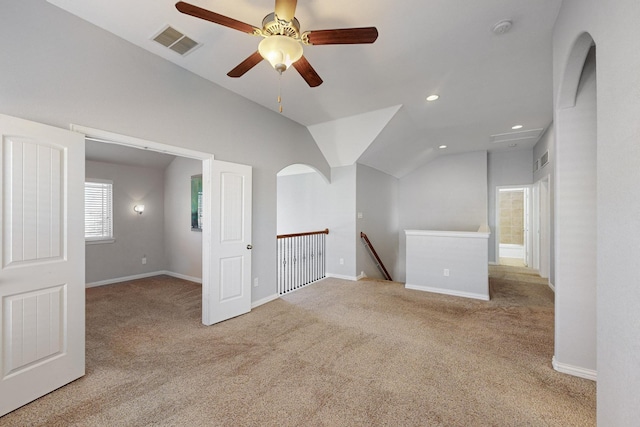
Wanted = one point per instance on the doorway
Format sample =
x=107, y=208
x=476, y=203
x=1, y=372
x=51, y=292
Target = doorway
x=226, y=241
x=513, y=226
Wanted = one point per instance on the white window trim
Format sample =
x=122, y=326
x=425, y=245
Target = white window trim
x=102, y=240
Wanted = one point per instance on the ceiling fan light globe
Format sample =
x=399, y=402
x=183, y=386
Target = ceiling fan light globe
x=280, y=51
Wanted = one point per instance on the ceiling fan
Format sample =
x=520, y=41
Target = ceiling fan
x=282, y=41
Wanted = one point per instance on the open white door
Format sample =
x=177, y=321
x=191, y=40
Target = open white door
x=228, y=292
x=42, y=291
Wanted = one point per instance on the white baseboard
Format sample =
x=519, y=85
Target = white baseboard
x=142, y=276
x=340, y=276
x=576, y=371
x=264, y=300
x=552, y=286
x=183, y=276
x=123, y=279
x=361, y=276
x=493, y=263
x=447, y=292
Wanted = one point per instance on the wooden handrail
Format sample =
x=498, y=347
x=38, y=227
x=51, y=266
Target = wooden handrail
x=364, y=237
x=308, y=233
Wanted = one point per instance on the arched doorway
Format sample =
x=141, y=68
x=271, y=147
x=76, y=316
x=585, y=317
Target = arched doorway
x=302, y=226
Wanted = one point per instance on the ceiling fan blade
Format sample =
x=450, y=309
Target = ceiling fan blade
x=343, y=36
x=307, y=72
x=286, y=9
x=246, y=65
x=216, y=18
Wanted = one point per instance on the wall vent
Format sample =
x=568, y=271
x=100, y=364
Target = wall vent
x=544, y=160
x=533, y=134
x=175, y=40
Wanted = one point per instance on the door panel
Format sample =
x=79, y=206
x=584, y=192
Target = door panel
x=228, y=293
x=42, y=271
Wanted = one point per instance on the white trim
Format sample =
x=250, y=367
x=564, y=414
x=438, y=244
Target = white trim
x=124, y=279
x=447, y=292
x=143, y=276
x=183, y=276
x=340, y=276
x=131, y=141
x=576, y=371
x=264, y=301
x=493, y=263
x=552, y=286
x=361, y=276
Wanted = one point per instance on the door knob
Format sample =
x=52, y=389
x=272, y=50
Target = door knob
x=249, y=247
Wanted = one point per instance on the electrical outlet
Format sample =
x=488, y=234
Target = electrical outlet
x=446, y=272
x=144, y=259
x=341, y=261
x=255, y=282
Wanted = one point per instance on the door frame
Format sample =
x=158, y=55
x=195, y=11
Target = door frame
x=207, y=167
x=528, y=222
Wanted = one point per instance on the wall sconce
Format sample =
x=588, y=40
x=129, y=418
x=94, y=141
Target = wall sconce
x=139, y=209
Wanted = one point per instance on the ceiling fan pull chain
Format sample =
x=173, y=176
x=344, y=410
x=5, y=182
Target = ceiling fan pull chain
x=279, y=92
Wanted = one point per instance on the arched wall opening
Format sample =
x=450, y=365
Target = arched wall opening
x=576, y=214
x=302, y=194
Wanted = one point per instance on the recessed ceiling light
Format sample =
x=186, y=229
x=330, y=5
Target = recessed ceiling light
x=442, y=147
x=516, y=127
x=432, y=98
x=514, y=145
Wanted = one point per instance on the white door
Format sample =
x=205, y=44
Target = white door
x=42, y=291
x=228, y=292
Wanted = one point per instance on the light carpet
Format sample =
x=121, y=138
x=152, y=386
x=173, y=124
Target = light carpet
x=335, y=353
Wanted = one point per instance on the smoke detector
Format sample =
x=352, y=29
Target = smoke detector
x=502, y=27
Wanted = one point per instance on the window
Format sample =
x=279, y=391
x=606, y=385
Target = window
x=98, y=211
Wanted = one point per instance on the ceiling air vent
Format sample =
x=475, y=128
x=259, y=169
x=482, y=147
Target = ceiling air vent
x=175, y=40
x=533, y=135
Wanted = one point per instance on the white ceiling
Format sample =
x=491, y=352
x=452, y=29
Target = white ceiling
x=486, y=82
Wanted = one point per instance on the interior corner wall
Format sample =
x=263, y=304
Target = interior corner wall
x=302, y=203
x=183, y=246
x=341, y=215
x=63, y=70
x=547, y=144
x=505, y=168
x=613, y=25
x=136, y=236
x=377, y=216
x=449, y=193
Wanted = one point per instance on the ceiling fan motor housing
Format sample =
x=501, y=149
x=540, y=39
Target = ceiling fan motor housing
x=272, y=26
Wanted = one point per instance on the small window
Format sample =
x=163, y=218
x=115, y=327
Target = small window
x=98, y=211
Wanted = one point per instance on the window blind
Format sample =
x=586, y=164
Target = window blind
x=98, y=210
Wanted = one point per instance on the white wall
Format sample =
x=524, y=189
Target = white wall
x=63, y=70
x=183, y=246
x=576, y=221
x=377, y=201
x=505, y=168
x=302, y=203
x=614, y=27
x=341, y=215
x=135, y=235
x=450, y=193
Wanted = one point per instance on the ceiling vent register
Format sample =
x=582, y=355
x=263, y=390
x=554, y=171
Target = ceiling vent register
x=175, y=40
x=533, y=134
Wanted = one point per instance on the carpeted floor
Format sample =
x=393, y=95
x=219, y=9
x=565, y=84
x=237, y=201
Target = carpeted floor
x=335, y=353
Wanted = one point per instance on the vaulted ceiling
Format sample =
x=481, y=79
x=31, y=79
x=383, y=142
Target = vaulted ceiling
x=371, y=107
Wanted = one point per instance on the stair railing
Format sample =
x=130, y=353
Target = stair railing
x=374, y=256
x=301, y=259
